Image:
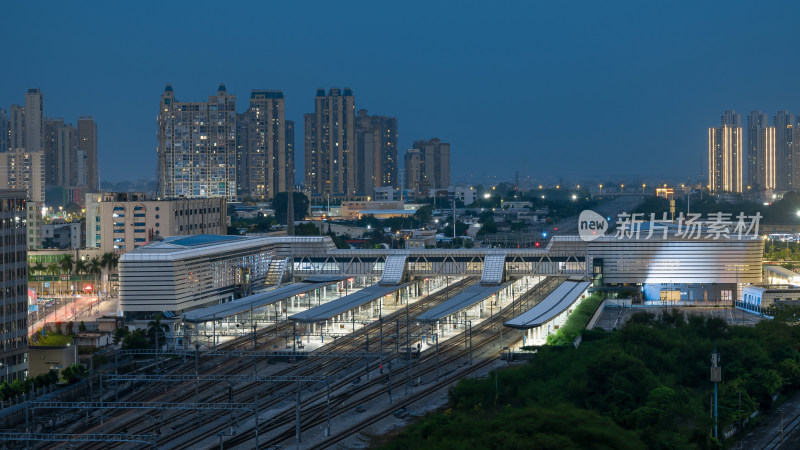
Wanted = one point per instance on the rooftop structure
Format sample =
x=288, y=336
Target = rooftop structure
x=553, y=305
x=181, y=273
x=259, y=300
x=469, y=297
x=774, y=274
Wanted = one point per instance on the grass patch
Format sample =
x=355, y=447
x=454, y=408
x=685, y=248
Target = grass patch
x=54, y=339
x=576, y=321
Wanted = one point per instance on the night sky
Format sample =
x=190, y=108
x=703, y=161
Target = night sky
x=556, y=90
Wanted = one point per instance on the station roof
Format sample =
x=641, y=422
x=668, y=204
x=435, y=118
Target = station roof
x=468, y=297
x=179, y=247
x=346, y=303
x=259, y=300
x=554, y=304
x=782, y=271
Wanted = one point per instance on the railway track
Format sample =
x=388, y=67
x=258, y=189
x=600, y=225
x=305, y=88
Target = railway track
x=128, y=420
x=450, y=352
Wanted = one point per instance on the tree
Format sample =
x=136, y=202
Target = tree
x=155, y=327
x=109, y=261
x=67, y=262
x=120, y=334
x=95, y=268
x=136, y=340
x=424, y=214
x=73, y=373
x=54, y=270
x=81, y=267
x=279, y=204
x=306, y=229
x=37, y=268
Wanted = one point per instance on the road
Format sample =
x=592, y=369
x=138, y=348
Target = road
x=68, y=309
x=607, y=208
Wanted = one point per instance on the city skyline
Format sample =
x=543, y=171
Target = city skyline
x=646, y=88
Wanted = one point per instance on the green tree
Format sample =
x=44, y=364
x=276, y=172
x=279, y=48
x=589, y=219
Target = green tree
x=136, y=339
x=54, y=270
x=306, y=229
x=109, y=261
x=424, y=214
x=73, y=373
x=279, y=204
x=155, y=327
x=95, y=268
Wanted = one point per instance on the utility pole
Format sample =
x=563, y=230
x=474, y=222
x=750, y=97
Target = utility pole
x=255, y=406
x=290, y=201
x=297, y=415
x=716, y=377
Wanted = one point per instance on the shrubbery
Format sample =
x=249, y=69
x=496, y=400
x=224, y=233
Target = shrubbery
x=644, y=386
x=576, y=321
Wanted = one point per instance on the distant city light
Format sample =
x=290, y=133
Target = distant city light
x=487, y=195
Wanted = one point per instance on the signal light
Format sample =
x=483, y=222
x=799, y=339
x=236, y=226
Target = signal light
x=536, y=244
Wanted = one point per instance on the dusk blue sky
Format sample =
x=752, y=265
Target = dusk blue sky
x=571, y=90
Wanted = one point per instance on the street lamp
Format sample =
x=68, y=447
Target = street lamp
x=643, y=186
x=601, y=189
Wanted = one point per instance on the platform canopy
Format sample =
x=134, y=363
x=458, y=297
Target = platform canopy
x=258, y=300
x=342, y=305
x=468, y=297
x=554, y=304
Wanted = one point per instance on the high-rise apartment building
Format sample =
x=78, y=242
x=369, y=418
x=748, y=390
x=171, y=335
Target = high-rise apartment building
x=34, y=116
x=767, y=163
x=290, y=152
x=20, y=169
x=14, y=285
x=242, y=126
x=16, y=127
x=4, y=130
x=376, y=152
x=725, y=159
x=785, y=150
x=434, y=165
x=52, y=129
x=66, y=156
x=412, y=168
x=197, y=146
x=87, y=143
x=266, y=148
x=756, y=123
x=23, y=170
x=330, y=160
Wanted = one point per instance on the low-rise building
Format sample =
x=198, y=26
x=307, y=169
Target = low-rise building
x=421, y=239
x=760, y=299
x=65, y=235
x=120, y=222
x=44, y=358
